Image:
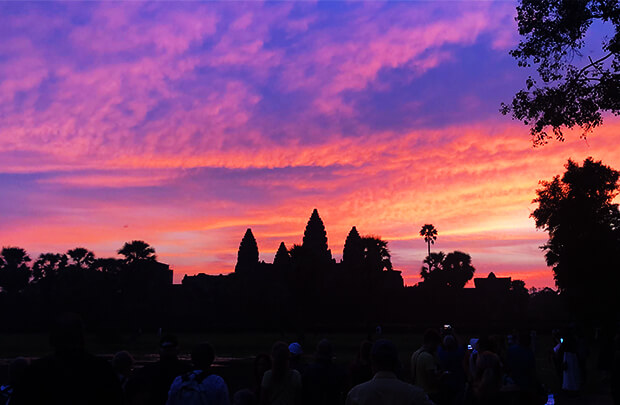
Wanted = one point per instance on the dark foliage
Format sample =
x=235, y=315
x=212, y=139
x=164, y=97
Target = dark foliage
x=81, y=257
x=137, y=250
x=453, y=270
x=575, y=91
x=429, y=233
x=583, y=223
x=376, y=256
x=14, y=270
x=49, y=265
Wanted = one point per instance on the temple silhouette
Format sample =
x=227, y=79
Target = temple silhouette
x=365, y=263
x=303, y=288
x=306, y=285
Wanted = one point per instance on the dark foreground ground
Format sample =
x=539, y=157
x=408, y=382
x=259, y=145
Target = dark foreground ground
x=236, y=352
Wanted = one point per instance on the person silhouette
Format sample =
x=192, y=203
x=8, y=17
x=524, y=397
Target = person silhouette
x=199, y=386
x=323, y=381
x=425, y=371
x=159, y=376
x=360, y=370
x=385, y=388
x=281, y=385
x=122, y=362
x=70, y=375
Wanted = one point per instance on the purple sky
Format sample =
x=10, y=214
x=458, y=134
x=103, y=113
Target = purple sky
x=184, y=123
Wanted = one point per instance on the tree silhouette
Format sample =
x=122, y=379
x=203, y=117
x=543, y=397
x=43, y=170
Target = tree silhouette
x=282, y=258
x=571, y=95
x=429, y=233
x=431, y=271
x=376, y=253
x=82, y=258
x=583, y=223
x=108, y=265
x=14, y=270
x=458, y=268
x=298, y=254
x=453, y=270
x=353, y=252
x=137, y=250
x=48, y=265
x=518, y=287
x=247, y=256
x=315, y=238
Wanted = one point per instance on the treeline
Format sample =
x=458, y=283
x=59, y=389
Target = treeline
x=303, y=288
x=110, y=292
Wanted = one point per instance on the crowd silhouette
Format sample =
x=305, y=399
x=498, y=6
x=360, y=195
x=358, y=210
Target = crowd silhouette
x=491, y=369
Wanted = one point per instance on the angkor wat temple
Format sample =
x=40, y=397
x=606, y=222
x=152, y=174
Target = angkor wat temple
x=365, y=264
x=304, y=288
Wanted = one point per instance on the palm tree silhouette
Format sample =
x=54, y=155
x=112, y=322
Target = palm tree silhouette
x=430, y=235
x=81, y=257
x=137, y=250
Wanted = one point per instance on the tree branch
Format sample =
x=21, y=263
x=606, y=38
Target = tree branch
x=596, y=66
x=594, y=63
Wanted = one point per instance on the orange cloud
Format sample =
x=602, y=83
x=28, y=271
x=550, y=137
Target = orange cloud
x=184, y=125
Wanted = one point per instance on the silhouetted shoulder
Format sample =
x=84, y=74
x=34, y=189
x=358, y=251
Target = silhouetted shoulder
x=84, y=379
x=386, y=389
x=293, y=377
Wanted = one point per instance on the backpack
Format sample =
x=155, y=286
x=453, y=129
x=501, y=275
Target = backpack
x=6, y=391
x=414, y=363
x=191, y=391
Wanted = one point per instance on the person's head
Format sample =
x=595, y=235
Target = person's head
x=488, y=378
x=498, y=343
x=279, y=357
x=432, y=339
x=324, y=351
x=384, y=356
x=449, y=342
x=122, y=362
x=295, y=350
x=262, y=363
x=168, y=348
x=67, y=335
x=486, y=344
x=203, y=356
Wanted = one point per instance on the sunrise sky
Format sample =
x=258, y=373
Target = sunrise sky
x=183, y=124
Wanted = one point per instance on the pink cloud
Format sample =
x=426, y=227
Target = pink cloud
x=106, y=102
x=116, y=29
x=354, y=61
x=168, y=105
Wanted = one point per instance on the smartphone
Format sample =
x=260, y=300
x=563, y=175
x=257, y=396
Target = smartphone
x=561, y=340
x=469, y=347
